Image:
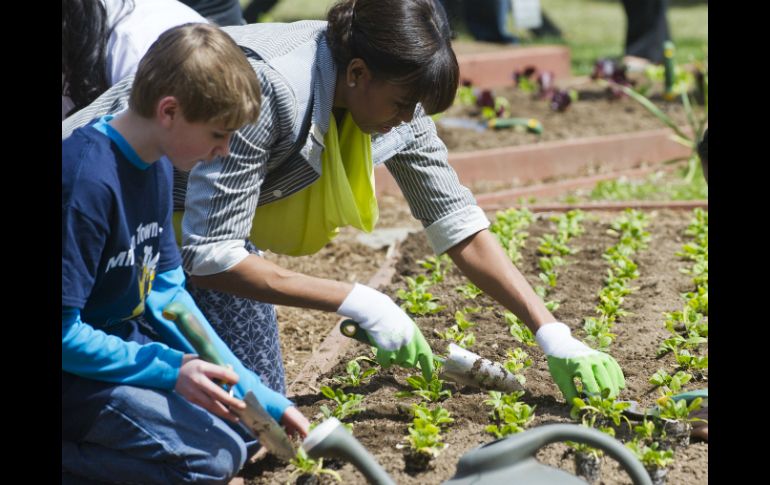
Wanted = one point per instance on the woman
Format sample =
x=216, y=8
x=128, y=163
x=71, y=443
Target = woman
x=376, y=67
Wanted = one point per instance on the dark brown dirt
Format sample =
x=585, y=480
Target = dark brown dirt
x=384, y=424
x=593, y=114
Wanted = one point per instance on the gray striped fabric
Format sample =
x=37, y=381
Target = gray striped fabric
x=281, y=153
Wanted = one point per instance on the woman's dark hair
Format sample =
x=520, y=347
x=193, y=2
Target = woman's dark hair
x=405, y=42
x=84, y=36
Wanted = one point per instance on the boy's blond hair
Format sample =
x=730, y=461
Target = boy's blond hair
x=201, y=66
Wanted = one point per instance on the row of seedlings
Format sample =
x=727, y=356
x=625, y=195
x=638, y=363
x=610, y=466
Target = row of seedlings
x=600, y=411
x=629, y=228
x=508, y=413
x=424, y=440
x=657, y=439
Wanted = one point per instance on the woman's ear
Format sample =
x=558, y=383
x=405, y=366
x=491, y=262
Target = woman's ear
x=357, y=73
x=167, y=110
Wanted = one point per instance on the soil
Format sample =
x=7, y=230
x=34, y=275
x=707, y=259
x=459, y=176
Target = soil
x=593, y=114
x=384, y=423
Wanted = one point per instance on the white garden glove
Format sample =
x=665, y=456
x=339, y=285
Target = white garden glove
x=397, y=338
x=569, y=358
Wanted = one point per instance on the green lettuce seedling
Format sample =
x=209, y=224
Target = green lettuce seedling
x=347, y=404
x=304, y=465
x=432, y=391
x=418, y=301
x=519, y=331
x=355, y=375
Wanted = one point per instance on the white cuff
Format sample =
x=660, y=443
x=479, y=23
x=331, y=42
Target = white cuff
x=550, y=336
x=213, y=258
x=362, y=302
x=456, y=227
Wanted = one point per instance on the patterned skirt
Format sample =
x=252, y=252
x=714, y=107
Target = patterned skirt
x=249, y=328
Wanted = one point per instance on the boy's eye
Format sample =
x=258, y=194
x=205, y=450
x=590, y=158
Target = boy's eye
x=220, y=136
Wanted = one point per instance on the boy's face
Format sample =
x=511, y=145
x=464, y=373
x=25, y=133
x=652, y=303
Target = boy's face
x=190, y=143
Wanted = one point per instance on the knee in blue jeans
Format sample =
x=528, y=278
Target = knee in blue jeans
x=220, y=466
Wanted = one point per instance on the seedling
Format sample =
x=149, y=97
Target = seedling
x=347, y=404
x=674, y=383
x=678, y=409
x=518, y=360
x=687, y=361
x=432, y=391
x=306, y=466
x=355, y=375
x=598, y=333
x=469, y=291
x=601, y=408
x=418, y=301
x=439, y=416
x=568, y=225
x=511, y=414
x=651, y=457
x=520, y=332
x=438, y=267
x=425, y=438
x=551, y=245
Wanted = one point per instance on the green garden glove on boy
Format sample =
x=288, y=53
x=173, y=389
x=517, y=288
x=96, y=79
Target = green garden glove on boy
x=397, y=338
x=569, y=358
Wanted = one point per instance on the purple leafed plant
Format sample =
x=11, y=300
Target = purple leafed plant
x=485, y=99
x=560, y=100
x=612, y=70
x=523, y=79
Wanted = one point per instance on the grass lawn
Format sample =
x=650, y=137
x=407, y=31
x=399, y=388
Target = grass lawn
x=591, y=28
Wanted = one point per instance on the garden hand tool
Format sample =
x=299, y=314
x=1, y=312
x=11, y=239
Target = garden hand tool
x=531, y=124
x=569, y=358
x=254, y=416
x=637, y=413
x=460, y=366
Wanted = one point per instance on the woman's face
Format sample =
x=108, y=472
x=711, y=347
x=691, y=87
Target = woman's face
x=376, y=106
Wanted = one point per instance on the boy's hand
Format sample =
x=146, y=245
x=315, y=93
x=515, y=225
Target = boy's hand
x=195, y=383
x=295, y=422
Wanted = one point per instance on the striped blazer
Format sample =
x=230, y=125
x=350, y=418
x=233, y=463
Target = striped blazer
x=280, y=154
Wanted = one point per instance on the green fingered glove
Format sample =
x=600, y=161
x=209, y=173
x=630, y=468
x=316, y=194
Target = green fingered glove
x=397, y=338
x=410, y=354
x=569, y=358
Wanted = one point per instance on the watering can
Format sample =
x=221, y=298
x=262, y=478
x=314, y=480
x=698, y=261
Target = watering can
x=507, y=460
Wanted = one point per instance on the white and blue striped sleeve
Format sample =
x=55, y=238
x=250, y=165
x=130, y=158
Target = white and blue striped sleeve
x=222, y=195
x=446, y=208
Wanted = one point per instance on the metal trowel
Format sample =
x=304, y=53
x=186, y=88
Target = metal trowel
x=254, y=416
x=460, y=366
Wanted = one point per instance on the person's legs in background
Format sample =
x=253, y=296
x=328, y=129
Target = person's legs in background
x=646, y=30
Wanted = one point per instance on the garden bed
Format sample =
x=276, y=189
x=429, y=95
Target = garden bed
x=384, y=423
x=595, y=134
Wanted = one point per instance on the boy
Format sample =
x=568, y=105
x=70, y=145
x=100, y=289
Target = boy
x=137, y=405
